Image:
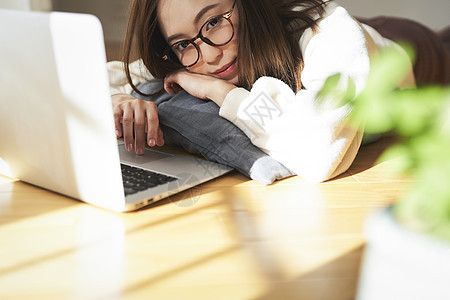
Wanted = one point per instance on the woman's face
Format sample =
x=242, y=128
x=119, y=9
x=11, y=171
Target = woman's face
x=182, y=20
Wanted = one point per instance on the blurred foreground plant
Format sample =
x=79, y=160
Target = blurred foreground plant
x=421, y=119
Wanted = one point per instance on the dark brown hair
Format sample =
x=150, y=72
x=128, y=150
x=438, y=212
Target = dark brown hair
x=268, y=39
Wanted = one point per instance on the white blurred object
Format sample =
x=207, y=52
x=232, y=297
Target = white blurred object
x=5, y=168
x=401, y=264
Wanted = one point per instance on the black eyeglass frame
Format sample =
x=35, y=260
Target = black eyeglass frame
x=226, y=16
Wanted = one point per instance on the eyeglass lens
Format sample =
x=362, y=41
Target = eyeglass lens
x=217, y=31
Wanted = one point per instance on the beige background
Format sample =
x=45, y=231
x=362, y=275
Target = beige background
x=113, y=13
x=434, y=13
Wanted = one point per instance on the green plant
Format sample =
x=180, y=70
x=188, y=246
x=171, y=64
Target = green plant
x=421, y=119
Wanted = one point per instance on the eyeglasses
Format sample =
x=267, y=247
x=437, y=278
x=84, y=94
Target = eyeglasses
x=217, y=31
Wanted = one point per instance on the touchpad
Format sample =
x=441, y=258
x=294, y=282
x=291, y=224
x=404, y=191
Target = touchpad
x=149, y=156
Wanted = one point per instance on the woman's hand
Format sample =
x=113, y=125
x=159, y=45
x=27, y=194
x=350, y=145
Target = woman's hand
x=198, y=85
x=143, y=115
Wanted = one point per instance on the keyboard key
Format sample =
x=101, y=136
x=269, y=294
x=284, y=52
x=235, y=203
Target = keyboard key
x=137, y=180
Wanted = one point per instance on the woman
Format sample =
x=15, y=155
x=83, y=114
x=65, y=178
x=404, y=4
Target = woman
x=262, y=62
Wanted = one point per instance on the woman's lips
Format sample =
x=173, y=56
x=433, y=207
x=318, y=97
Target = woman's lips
x=226, y=70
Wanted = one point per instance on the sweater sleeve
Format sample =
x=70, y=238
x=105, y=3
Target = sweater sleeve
x=310, y=136
x=118, y=81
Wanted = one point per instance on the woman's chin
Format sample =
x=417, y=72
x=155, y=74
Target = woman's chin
x=234, y=80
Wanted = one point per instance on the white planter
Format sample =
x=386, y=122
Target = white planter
x=400, y=264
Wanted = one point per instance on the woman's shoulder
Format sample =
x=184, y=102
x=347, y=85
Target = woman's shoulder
x=335, y=21
x=333, y=14
x=331, y=8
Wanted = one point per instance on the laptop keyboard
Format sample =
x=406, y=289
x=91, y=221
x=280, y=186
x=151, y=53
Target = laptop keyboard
x=137, y=180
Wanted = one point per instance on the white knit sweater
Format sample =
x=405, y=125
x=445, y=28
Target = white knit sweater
x=310, y=136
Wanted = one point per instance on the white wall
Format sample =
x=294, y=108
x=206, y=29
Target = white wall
x=433, y=13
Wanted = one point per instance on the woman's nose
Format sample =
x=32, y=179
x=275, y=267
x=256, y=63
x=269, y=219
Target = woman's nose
x=210, y=54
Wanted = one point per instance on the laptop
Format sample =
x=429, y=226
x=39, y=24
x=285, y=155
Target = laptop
x=56, y=121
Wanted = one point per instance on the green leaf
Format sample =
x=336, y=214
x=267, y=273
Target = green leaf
x=341, y=90
x=417, y=110
x=375, y=112
x=400, y=157
x=422, y=118
x=388, y=68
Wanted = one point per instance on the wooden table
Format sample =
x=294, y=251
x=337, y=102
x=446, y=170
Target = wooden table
x=231, y=238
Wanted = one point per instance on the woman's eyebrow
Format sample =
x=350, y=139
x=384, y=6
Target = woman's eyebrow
x=204, y=11
x=174, y=37
x=197, y=19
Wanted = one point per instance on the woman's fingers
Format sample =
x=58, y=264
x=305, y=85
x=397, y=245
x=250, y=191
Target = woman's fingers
x=160, y=139
x=171, y=88
x=117, y=121
x=152, y=124
x=139, y=128
x=127, y=123
x=138, y=118
x=168, y=85
x=171, y=83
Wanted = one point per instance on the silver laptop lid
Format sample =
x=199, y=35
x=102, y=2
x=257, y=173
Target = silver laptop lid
x=56, y=118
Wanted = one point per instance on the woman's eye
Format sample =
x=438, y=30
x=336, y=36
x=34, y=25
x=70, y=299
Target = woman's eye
x=181, y=46
x=212, y=23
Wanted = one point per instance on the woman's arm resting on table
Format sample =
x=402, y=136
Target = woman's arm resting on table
x=198, y=85
x=312, y=139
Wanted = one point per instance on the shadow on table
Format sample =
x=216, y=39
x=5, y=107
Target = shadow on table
x=369, y=155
